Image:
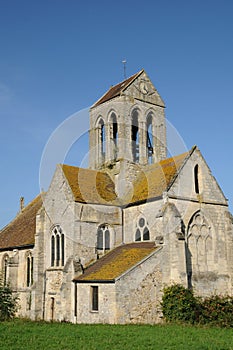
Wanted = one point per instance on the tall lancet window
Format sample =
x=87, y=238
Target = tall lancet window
x=135, y=137
x=114, y=135
x=101, y=128
x=150, y=146
x=103, y=237
x=196, y=178
x=101, y=140
x=57, y=247
x=5, y=262
x=29, y=260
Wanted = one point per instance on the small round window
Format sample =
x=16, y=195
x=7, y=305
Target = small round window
x=142, y=222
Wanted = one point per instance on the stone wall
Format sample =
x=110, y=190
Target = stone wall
x=138, y=292
x=107, y=303
x=17, y=277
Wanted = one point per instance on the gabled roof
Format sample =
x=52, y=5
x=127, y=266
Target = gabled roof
x=116, y=90
x=96, y=187
x=21, y=231
x=117, y=262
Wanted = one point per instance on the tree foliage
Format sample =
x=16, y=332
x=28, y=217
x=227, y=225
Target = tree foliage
x=8, y=302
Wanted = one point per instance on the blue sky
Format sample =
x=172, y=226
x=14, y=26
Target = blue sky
x=58, y=57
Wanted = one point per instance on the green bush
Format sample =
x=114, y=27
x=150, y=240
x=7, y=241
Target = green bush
x=8, y=302
x=217, y=311
x=179, y=304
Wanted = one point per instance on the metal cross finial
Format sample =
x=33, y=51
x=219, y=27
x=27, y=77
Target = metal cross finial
x=124, y=64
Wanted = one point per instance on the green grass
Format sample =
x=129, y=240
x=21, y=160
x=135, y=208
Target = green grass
x=25, y=335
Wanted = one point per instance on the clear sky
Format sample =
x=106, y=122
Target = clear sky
x=59, y=56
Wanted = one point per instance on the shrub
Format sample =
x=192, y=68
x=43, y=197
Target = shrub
x=179, y=304
x=217, y=310
x=8, y=302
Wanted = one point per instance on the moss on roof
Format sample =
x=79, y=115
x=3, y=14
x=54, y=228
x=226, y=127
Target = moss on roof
x=92, y=186
x=21, y=231
x=117, y=261
x=155, y=179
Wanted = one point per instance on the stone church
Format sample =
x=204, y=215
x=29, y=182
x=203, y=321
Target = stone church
x=101, y=243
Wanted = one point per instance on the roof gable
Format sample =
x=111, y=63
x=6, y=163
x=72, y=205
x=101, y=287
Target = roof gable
x=138, y=86
x=116, y=90
x=117, y=262
x=183, y=184
x=21, y=231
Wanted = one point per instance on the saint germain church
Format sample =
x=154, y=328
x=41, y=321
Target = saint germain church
x=101, y=243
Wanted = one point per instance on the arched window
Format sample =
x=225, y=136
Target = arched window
x=150, y=146
x=29, y=261
x=196, y=178
x=135, y=137
x=142, y=230
x=101, y=139
x=114, y=134
x=103, y=237
x=199, y=243
x=5, y=264
x=57, y=247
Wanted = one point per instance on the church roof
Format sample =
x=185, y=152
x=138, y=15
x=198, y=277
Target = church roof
x=90, y=186
x=97, y=187
x=116, y=262
x=157, y=178
x=21, y=231
x=116, y=90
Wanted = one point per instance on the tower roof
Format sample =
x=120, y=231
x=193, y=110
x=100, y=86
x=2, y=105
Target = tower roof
x=138, y=86
x=116, y=90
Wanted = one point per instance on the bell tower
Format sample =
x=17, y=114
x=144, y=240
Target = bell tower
x=127, y=124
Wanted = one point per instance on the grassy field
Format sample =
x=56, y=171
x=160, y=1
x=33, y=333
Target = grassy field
x=25, y=335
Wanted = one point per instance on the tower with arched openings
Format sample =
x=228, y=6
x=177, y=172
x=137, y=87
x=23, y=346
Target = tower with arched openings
x=127, y=125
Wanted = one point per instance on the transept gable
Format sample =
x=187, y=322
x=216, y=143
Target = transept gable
x=195, y=181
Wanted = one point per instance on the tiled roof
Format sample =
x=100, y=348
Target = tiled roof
x=90, y=186
x=156, y=178
x=115, y=91
x=96, y=187
x=21, y=231
x=117, y=262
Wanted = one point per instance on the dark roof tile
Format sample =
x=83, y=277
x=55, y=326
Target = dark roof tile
x=116, y=90
x=21, y=231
